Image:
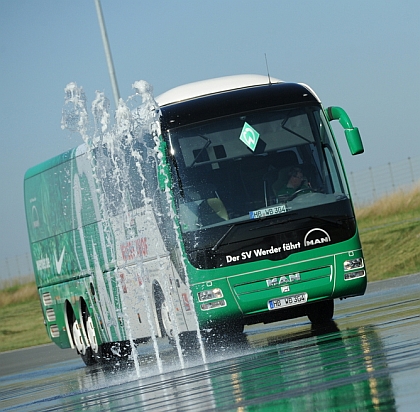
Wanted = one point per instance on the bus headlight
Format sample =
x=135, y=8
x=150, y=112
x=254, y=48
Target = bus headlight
x=353, y=264
x=205, y=295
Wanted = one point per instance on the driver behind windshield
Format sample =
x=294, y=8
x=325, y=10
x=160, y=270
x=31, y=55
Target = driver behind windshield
x=296, y=181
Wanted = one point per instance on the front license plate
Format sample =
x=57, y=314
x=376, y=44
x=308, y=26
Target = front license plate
x=292, y=300
x=269, y=211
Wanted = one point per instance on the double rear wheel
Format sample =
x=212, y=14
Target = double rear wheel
x=83, y=335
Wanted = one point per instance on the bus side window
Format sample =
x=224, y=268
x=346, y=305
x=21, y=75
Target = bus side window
x=333, y=179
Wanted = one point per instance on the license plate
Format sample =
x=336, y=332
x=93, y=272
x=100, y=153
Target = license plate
x=287, y=301
x=269, y=211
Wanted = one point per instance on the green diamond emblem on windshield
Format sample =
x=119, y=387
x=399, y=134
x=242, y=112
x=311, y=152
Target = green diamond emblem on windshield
x=249, y=136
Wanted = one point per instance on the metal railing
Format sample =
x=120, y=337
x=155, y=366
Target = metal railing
x=16, y=269
x=371, y=184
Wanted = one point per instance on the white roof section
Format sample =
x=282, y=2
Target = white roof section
x=212, y=86
x=311, y=90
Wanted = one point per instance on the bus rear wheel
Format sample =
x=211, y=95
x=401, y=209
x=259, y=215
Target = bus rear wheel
x=77, y=337
x=89, y=357
x=83, y=350
x=321, y=313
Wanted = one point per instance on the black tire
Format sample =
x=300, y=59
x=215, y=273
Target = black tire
x=189, y=341
x=321, y=313
x=159, y=301
x=112, y=353
x=72, y=322
x=89, y=357
x=223, y=330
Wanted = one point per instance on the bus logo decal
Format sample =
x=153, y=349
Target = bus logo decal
x=316, y=236
x=249, y=136
x=283, y=279
x=134, y=248
x=35, y=216
x=59, y=262
x=43, y=263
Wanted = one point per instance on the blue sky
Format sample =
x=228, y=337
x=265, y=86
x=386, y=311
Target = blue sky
x=361, y=55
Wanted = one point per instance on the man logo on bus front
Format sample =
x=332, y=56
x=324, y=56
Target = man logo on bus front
x=316, y=236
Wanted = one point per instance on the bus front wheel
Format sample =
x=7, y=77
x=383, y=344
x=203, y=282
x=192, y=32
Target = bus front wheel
x=320, y=313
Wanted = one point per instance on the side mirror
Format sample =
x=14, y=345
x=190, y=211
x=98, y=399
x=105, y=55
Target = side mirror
x=354, y=141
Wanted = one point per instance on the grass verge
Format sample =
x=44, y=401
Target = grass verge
x=22, y=325
x=389, y=231
x=21, y=320
x=390, y=235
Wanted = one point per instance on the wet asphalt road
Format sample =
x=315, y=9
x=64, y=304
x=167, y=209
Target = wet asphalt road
x=367, y=359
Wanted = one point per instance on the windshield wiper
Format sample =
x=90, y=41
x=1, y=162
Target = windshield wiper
x=283, y=125
x=208, y=143
x=227, y=233
x=224, y=236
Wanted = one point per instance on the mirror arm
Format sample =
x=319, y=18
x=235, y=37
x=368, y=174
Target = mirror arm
x=337, y=113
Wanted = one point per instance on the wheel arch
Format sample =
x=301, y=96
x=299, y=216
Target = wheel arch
x=68, y=321
x=158, y=298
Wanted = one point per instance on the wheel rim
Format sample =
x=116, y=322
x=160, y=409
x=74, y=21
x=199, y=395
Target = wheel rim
x=78, y=338
x=91, y=335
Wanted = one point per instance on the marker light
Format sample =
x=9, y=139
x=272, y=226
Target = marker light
x=50, y=315
x=353, y=264
x=47, y=299
x=213, y=305
x=205, y=295
x=55, y=332
x=354, y=275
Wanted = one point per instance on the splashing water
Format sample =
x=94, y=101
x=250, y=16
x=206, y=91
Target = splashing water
x=127, y=209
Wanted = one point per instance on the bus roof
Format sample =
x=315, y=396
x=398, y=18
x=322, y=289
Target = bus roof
x=55, y=161
x=212, y=86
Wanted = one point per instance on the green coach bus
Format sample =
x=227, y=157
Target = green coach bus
x=234, y=209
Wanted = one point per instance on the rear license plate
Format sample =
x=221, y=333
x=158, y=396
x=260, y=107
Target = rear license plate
x=292, y=300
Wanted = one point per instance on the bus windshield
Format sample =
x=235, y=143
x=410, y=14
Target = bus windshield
x=253, y=166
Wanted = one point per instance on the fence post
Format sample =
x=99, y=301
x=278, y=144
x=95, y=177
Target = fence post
x=7, y=268
x=392, y=177
x=353, y=187
x=17, y=265
x=373, y=183
x=411, y=169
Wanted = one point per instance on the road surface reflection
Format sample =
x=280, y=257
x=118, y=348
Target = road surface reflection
x=368, y=359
